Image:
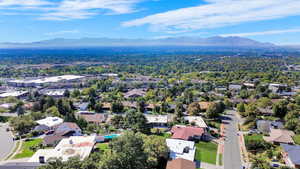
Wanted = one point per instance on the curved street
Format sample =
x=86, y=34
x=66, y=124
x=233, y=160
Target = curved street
x=6, y=141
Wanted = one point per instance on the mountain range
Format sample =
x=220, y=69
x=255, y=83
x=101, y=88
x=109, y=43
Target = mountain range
x=216, y=41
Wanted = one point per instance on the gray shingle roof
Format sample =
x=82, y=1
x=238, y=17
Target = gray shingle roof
x=293, y=152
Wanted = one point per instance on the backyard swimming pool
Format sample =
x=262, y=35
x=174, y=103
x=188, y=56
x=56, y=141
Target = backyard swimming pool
x=111, y=136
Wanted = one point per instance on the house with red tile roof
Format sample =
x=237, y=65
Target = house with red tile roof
x=187, y=133
x=181, y=163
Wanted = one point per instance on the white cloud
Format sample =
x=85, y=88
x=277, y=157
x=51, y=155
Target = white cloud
x=28, y=3
x=69, y=9
x=270, y=32
x=218, y=13
x=62, y=32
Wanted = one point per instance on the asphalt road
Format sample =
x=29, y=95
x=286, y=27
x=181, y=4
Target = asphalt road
x=232, y=157
x=6, y=141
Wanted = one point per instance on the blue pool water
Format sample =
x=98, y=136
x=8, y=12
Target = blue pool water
x=111, y=136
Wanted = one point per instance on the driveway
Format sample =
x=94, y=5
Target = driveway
x=232, y=154
x=6, y=141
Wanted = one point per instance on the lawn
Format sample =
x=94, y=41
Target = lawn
x=254, y=137
x=206, y=152
x=26, y=151
x=297, y=139
x=102, y=146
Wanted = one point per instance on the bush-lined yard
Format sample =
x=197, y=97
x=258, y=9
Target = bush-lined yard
x=28, y=148
x=206, y=152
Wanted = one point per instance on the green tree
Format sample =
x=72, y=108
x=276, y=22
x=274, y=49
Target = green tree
x=280, y=109
x=214, y=110
x=136, y=121
x=241, y=107
x=156, y=149
x=194, y=109
x=127, y=152
x=117, y=107
x=118, y=121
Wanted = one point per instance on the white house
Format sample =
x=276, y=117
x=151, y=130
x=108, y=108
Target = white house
x=80, y=146
x=181, y=149
x=50, y=121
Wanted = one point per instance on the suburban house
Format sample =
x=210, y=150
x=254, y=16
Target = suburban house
x=265, y=126
x=80, y=146
x=95, y=118
x=181, y=163
x=291, y=155
x=62, y=131
x=48, y=123
x=235, y=87
x=106, y=106
x=268, y=111
x=82, y=106
x=277, y=88
x=278, y=136
x=187, y=133
x=128, y=104
x=181, y=149
x=158, y=120
x=197, y=120
x=135, y=93
x=249, y=85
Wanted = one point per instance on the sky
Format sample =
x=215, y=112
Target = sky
x=275, y=21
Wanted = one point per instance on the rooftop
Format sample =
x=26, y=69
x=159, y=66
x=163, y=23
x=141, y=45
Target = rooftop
x=80, y=146
x=181, y=149
x=293, y=152
x=181, y=163
x=198, y=120
x=184, y=133
x=52, y=79
x=13, y=93
x=50, y=121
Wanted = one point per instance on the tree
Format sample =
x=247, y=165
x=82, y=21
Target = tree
x=156, y=149
x=20, y=110
x=194, y=109
x=98, y=107
x=280, y=109
x=22, y=124
x=117, y=107
x=214, y=110
x=75, y=93
x=136, y=121
x=179, y=109
x=260, y=164
x=127, y=152
x=118, y=121
x=141, y=106
x=241, y=107
x=53, y=111
x=82, y=123
x=67, y=93
x=297, y=100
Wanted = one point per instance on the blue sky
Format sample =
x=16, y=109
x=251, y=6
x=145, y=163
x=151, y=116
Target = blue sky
x=276, y=21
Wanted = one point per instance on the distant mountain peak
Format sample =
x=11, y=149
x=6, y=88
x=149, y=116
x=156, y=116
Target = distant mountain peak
x=215, y=41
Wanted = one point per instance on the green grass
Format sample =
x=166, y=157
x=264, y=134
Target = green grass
x=25, y=150
x=297, y=139
x=254, y=137
x=206, y=152
x=102, y=146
